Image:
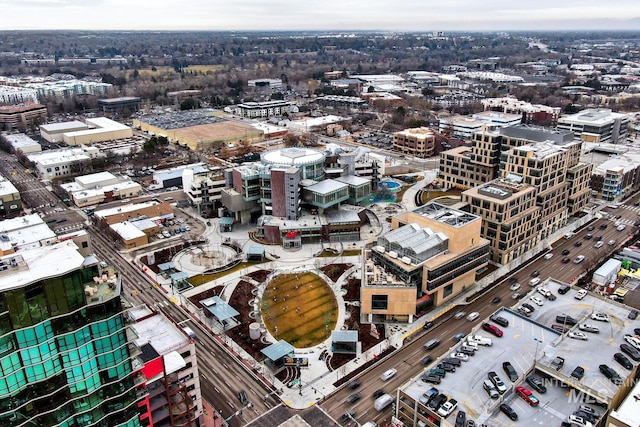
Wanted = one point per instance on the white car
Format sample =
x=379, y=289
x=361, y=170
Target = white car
x=480, y=340
x=601, y=317
x=579, y=421
x=449, y=406
x=534, y=281
x=460, y=356
x=515, y=286
x=472, y=344
x=580, y=294
x=543, y=291
x=635, y=342
x=588, y=328
x=578, y=336
x=537, y=300
x=388, y=374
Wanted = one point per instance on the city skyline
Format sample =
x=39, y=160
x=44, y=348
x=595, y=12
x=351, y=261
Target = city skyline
x=284, y=15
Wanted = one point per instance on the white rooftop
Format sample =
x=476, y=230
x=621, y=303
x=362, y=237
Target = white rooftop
x=6, y=187
x=326, y=186
x=131, y=207
x=57, y=156
x=64, y=127
x=24, y=232
x=352, y=180
x=292, y=156
x=161, y=333
x=94, y=179
x=42, y=262
x=126, y=230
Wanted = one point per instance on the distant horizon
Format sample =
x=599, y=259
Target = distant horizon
x=331, y=16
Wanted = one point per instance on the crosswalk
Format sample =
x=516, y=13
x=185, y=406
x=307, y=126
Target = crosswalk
x=626, y=221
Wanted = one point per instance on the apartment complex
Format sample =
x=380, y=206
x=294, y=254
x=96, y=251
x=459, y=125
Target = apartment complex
x=68, y=359
x=599, y=125
x=523, y=181
x=532, y=114
x=416, y=142
x=262, y=110
x=431, y=255
x=171, y=368
x=617, y=177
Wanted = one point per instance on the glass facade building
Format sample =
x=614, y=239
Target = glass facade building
x=66, y=356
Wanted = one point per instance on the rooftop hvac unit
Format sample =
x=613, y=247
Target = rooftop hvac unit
x=380, y=249
x=406, y=260
x=393, y=254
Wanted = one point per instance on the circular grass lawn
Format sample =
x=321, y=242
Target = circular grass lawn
x=299, y=308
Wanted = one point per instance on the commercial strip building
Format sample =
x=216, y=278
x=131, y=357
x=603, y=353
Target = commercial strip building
x=67, y=352
x=10, y=200
x=93, y=130
x=88, y=190
x=597, y=125
x=532, y=346
x=55, y=164
x=20, y=143
x=431, y=255
x=465, y=127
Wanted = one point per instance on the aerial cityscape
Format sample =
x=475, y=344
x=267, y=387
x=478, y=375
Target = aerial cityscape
x=214, y=220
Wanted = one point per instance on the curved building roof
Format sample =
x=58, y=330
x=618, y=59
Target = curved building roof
x=292, y=157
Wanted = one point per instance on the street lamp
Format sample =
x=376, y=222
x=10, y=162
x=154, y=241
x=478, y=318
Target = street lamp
x=535, y=355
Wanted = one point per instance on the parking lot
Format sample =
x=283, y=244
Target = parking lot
x=528, y=338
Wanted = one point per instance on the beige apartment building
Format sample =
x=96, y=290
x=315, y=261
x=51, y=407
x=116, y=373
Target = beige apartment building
x=416, y=142
x=431, y=255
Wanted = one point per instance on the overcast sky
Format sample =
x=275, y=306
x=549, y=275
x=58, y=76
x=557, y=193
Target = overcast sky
x=407, y=15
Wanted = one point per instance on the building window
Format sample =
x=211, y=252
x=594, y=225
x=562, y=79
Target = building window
x=379, y=302
x=448, y=290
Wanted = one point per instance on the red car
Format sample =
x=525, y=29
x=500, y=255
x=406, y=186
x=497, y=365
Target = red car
x=493, y=329
x=526, y=394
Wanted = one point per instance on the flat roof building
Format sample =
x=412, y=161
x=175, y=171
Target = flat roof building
x=430, y=255
x=597, y=125
x=22, y=117
x=415, y=142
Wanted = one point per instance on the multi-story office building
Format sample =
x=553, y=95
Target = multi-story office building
x=204, y=188
x=532, y=114
x=431, y=255
x=464, y=127
x=22, y=116
x=66, y=351
x=597, y=125
x=171, y=368
x=416, y=142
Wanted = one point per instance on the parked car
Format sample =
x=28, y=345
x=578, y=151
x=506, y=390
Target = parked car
x=491, y=389
x=497, y=381
x=527, y=396
x=529, y=307
x=509, y=412
x=510, y=371
x=460, y=356
x=500, y=321
x=446, y=366
x=566, y=319
x=454, y=360
x=537, y=300
x=601, y=317
x=575, y=420
x=564, y=289
x=560, y=328
x=493, y=329
x=536, y=384
x=447, y=408
x=516, y=296
x=623, y=360
x=578, y=336
x=589, y=328
x=630, y=339
x=610, y=374
x=631, y=351
x=461, y=419
x=633, y=314
x=577, y=373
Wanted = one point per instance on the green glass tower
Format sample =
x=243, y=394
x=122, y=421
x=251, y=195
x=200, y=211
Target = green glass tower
x=66, y=356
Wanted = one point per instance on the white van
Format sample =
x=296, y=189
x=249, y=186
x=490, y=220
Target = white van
x=382, y=402
x=473, y=316
x=388, y=374
x=369, y=424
